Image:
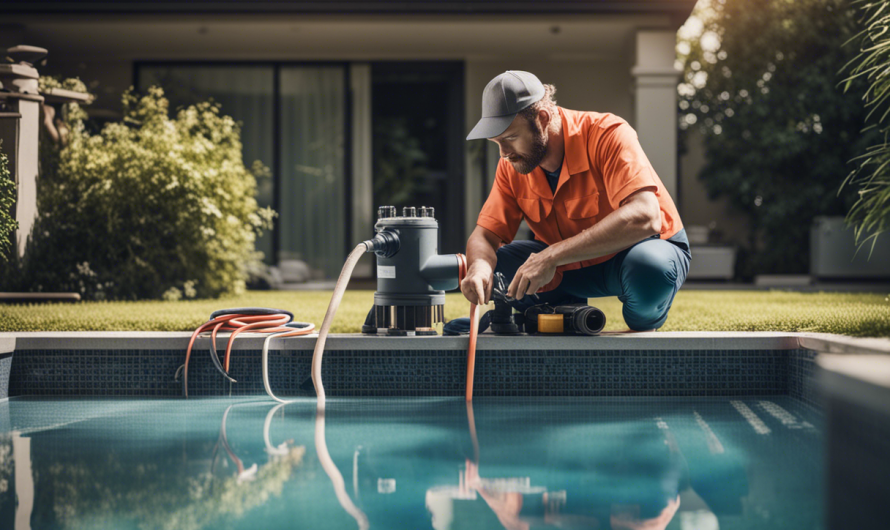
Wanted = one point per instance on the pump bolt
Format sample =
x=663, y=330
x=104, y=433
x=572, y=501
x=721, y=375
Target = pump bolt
x=427, y=211
x=384, y=212
x=409, y=211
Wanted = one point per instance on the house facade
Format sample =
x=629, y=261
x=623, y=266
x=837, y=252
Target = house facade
x=355, y=104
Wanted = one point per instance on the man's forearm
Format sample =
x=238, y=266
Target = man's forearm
x=481, y=251
x=617, y=231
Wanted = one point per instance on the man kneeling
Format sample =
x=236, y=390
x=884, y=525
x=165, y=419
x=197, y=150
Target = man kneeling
x=603, y=223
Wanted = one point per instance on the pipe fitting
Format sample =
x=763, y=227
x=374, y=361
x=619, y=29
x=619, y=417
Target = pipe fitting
x=385, y=244
x=442, y=272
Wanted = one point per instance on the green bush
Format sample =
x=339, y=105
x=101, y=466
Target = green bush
x=760, y=83
x=152, y=207
x=72, y=83
x=8, y=224
x=871, y=214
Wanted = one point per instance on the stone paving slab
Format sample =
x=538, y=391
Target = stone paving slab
x=127, y=340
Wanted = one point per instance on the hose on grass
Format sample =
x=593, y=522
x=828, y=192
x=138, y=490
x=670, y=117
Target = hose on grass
x=275, y=321
x=278, y=322
x=253, y=319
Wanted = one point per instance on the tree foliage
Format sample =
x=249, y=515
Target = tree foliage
x=8, y=223
x=871, y=213
x=153, y=207
x=761, y=84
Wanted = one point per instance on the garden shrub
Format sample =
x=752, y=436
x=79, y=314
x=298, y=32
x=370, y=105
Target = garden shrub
x=74, y=84
x=761, y=84
x=871, y=214
x=153, y=207
x=8, y=224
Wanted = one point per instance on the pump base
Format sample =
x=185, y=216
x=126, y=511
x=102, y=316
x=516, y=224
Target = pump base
x=401, y=320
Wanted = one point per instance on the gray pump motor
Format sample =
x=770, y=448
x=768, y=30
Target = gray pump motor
x=411, y=275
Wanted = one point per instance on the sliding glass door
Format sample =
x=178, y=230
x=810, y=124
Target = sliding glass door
x=313, y=216
x=293, y=120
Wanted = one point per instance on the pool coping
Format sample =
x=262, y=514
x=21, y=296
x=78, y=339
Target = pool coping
x=861, y=379
x=662, y=340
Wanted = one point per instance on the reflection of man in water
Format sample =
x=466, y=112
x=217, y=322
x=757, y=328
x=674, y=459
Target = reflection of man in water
x=516, y=510
x=632, y=490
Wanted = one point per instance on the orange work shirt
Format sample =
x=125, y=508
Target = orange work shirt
x=604, y=164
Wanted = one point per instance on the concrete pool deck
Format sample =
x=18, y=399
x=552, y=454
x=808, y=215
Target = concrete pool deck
x=661, y=340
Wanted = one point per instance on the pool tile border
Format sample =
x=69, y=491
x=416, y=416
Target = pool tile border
x=644, y=364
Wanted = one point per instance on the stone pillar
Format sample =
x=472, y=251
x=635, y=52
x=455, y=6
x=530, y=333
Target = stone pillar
x=655, y=104
x=362, y=200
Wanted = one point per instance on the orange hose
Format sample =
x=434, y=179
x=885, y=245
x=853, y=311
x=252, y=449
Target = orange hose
x=270, y=325
x=235, y=323
x=461, y=268
x=471, y=352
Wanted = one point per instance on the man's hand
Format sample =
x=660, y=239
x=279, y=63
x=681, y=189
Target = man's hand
x=476, y=285
x=536, y=272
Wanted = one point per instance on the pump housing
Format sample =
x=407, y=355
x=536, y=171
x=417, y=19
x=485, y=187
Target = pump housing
x=412, y=276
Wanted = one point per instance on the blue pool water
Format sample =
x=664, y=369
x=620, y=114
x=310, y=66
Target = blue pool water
x=702, y=464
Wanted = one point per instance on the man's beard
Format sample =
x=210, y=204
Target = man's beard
x=527, y=163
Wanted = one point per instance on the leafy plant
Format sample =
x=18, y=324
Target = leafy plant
x=72, y=83
x=870, y=215
x=152, y=207
x=8, y=224
x=760, y=84
x=157, y=495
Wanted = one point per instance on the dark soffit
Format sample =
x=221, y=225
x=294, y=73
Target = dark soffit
x=673, y=7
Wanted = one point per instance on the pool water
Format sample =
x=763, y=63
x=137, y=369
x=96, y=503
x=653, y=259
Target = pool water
x=515, y=463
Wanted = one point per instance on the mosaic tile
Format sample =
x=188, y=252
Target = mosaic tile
x=5, y=370
x=802, y=383
x=420, y=373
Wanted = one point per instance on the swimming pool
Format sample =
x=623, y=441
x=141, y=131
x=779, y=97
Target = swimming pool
x=516, y=463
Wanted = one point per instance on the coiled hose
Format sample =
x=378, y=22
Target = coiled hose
x=254, y=319
x=278, y=322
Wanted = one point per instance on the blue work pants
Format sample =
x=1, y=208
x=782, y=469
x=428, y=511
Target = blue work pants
x=645, y=277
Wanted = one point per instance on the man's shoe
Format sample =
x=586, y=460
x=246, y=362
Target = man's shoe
x=461, y=326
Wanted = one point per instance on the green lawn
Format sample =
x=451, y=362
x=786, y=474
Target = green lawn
x=857, y=314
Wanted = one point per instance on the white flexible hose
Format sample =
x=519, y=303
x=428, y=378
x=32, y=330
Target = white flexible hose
x=339, y=289
x=265, y=363
x=281, y=450
x=321, y=447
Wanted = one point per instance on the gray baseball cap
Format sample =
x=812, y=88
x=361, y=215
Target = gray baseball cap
x=502, y=99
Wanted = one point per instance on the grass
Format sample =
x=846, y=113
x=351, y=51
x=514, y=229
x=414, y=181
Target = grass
x=855, y=314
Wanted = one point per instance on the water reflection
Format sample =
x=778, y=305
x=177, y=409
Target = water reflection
x=388, y=464
x=518, y=504
x=99, y=484
x=324, y=457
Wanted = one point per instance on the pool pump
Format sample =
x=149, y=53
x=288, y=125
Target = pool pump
x=412, y=276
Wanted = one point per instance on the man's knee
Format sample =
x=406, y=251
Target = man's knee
x=650, y=266
x=649, y=281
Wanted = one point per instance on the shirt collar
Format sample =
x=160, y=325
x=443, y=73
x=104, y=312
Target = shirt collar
x=574, y=161
x=576, y=142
